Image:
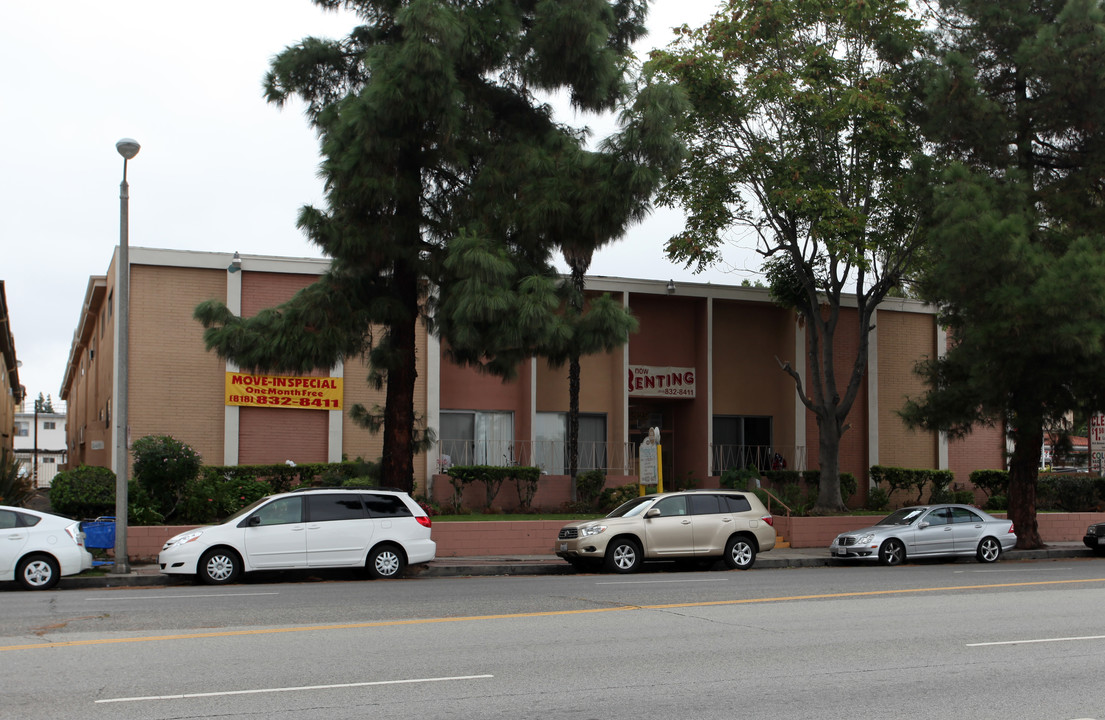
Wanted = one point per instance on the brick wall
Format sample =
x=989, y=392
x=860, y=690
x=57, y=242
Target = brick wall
x=536, y=537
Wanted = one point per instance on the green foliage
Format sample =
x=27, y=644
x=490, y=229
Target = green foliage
x=910, y=479
x=992, y=482
x=15, y=483
x=433, y=133
x=997, y=502
x=140, y=507
x=163, y=467
x=589, y=487
x=84, y=492
x=963, y=497
x=613, y=497
x=1070, y=492
x=877, y=499
x=44, y=404
x=743, y=479
x=800, y=137
x=492, y=477
x=526, y=480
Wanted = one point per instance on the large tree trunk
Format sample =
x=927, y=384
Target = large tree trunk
x=397, y=460
x=1024, y=470
x=828, y=494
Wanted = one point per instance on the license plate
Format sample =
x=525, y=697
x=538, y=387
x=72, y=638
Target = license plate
x=1101, y=540
x=841, y=551
x=563, y=546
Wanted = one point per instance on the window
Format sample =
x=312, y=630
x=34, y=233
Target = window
x=49, y=425
x=551, y=453
x=110, y=302
x=49, y=460
x=671, y=506
x=324, y=508
x=938, y=516
x=22, y=429
x=477, y=438
x=281, y=512
x=741, y=441
x=737, y=503
x=386, y=506
x=704, y=504
x=963, y=515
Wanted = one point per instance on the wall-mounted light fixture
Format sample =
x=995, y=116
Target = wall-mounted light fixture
x=235, y=264
x=671, y=287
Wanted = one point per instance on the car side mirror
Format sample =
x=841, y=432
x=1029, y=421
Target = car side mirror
x=254, y=520
x=653, y=512
x=922, y=525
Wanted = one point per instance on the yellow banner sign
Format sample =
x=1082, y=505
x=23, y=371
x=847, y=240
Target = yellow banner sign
x=302, y=393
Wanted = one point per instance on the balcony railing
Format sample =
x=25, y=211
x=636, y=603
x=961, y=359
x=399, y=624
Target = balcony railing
x=612, y=458
x=761, y=457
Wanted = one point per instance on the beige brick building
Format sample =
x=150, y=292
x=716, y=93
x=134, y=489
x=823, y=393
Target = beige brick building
x=703, y=369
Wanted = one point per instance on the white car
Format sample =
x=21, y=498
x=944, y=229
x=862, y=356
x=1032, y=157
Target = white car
x=381, y=530
x=37, y=548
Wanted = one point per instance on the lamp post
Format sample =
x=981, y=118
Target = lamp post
x=128, y=149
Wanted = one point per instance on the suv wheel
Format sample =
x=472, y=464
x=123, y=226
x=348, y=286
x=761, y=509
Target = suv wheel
x=740, y=553
x=623, y=556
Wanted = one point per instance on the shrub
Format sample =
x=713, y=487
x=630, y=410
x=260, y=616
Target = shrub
x=525, y=482
x=997, y=502
x=613, y=497
x=991, y=482
x=164, y=467
x=744, y=479
x=589, y=487
x=877, y=499
x=911, y=479
x=963, y=497
x=1067, y=492
x=492, y=477
x=84, y=492
x=15, y=482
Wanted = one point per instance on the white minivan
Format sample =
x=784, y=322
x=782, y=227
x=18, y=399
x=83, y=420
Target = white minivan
x=380, y=530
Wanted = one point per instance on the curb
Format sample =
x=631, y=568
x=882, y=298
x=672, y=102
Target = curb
x=150, y=576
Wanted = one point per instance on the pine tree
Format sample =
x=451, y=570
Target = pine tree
x=432, y=133
x=1015, y=245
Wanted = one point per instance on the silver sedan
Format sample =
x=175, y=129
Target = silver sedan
x=928, y=531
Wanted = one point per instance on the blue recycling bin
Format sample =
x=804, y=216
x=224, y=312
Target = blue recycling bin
x=99, y=533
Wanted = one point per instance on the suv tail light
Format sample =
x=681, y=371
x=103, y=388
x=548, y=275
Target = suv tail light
x=424, y=520
x=769, y=520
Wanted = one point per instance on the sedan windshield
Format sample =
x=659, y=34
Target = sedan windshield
x=632, y=508
x=905, y=516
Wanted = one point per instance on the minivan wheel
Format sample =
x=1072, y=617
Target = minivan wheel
x=740, y=553
x=38, y=572
x=219, y=566
x=989, y=550
x=385, y=562
x=623, y=556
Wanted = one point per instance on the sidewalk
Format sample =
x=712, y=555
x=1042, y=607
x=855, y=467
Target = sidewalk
x=149, y=575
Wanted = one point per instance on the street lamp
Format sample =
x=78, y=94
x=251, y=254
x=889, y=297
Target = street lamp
x=128, y=149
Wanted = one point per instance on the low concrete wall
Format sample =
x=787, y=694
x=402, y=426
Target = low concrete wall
x=536, y=537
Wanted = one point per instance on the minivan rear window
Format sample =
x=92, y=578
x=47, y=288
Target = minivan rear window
x=330, y=507
x=387, y=506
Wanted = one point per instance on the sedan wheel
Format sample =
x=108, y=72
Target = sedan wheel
x=892, y=552
x=740, y=553
x=623, y=556
x=219, y=567
x=38, y=572
x=385, y=562
x=989, y=550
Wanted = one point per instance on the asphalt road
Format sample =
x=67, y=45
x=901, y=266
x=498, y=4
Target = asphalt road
x=1023, y=639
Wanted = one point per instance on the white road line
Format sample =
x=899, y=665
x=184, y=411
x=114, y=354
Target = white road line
x=175, y=597
x=1018, y=571
x=1040, y=640
x=292, y=689
x=660, y=582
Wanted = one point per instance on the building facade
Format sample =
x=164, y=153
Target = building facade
x=11, y=392
x=704, y=369
x=40, y=444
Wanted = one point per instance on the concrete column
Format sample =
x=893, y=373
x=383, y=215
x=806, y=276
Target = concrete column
x=231, y=413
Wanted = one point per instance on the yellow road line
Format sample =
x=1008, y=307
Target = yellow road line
x=547, y=613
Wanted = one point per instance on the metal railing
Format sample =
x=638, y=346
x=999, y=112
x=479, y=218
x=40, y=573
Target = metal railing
x=761, y=457
x=549, y=455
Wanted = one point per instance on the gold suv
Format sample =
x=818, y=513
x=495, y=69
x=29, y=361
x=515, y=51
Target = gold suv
x=697, y=524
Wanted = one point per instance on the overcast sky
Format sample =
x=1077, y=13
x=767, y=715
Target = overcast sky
x=219, y=170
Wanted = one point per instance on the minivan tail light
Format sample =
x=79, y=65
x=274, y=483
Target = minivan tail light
x=424, y=520
x=769, y=520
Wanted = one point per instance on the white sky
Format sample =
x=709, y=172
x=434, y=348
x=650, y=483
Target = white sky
x=219, y=170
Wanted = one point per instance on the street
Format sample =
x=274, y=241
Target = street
x=1021, y=639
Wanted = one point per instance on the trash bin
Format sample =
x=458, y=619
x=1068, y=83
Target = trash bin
x=99, y=533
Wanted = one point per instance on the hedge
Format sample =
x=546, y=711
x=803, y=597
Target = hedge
x=916, y=479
